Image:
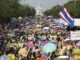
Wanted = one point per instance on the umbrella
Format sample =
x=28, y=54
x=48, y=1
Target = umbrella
x=67, y=39
x=49, y=47
x=43, y=43
x=41, y=58
x=57, y=26
x=3, y=57
x=52, y=25
x=63, y=57
x=30, y=44
x=45, y=29
x=45, y=55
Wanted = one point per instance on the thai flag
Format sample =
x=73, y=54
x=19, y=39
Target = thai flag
x=66, y=17
x=54, y=25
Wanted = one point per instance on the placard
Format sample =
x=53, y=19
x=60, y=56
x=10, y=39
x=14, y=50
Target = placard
x=76, y=54
x=75, y=35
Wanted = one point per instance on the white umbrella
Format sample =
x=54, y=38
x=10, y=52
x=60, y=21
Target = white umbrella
x=67, y=39
x=29, y=38
x=46, y=28
x=63, y=57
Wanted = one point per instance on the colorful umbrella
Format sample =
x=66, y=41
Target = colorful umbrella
x=49, y=47
x=67, y=39
x=30, y=44
x=3, y=57
x=43, y=42
x=57, y=26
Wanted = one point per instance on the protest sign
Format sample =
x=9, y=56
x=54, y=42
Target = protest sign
x=75, y=35
x=76, y=53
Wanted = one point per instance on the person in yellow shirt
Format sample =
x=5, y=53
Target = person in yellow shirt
x=11, y=57
x=58, y=32
x=20, y=44
x=69, y=47
x=23, y=52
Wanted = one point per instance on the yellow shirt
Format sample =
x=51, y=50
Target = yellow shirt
x=22, y=52
x=69, y=47
x=11, y=57
x=20, y=45
x=58, y=32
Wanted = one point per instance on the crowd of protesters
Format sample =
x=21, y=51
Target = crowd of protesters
x=14, y=39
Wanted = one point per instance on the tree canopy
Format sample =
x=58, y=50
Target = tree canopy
x=12, y=8
x=73, y=8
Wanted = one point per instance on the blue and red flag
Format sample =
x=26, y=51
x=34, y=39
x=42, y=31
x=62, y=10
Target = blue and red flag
x=66, y=17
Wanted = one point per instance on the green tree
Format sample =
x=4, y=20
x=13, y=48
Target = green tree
x=47, y=12
x=28, y=11
x=54, y=11
x=7, y=9
x=12, y=8
x=73, y=8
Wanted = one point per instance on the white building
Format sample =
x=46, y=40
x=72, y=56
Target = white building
x=39, y=11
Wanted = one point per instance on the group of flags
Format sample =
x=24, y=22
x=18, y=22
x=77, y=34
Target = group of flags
x=64, y=14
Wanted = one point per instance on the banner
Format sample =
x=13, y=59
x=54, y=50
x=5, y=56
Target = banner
x=75, y=35
x=76, y=54
x=76, y=22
